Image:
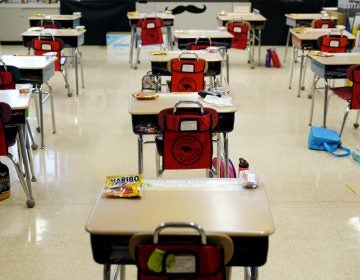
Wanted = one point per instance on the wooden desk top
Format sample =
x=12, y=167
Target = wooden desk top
x=135, y=15
x=308, y=16
x=314, y=33
x=168, y=100
x=195, y=33
x=16, y=100
x=175, y=54
x=55, y=32
x=251, y=17
x=337, y=59
x=54, y=17
x=218, y=205
x=28, y=61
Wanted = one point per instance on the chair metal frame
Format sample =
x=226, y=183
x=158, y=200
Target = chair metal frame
x=14, y=131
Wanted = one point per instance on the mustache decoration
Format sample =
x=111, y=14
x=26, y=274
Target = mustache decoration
x=190, y=8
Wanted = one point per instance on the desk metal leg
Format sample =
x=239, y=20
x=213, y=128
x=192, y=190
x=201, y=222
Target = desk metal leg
x=76, y=71
x=132, y=39
x=259, y=43
x=312, y=95
x=41, y=114
x=81, y=68
x=325, y=101
x=218, y=154
x=287, y=44
x=169, y=37
x=106, y=271
x=228, y=272
x=140, y=154
x=226, y=155
x=292, y=66
x=251, y=273
x=227, y=66
x=301, y=73
x=356, y=124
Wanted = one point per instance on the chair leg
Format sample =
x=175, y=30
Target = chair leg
x=344, y=120
x=52, y=108
x=30, y=200
x=34, y=146
x=67, y=86
x=356, y=124
x=29, y=155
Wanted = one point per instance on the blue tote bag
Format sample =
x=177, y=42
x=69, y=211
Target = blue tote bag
x=328, y=140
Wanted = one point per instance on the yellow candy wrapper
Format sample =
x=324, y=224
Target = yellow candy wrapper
x=127, y=186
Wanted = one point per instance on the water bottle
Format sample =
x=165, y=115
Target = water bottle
x=268, y=59
x=356, y=155
x=243, y=165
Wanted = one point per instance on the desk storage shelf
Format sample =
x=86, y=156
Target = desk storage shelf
x=14, y=18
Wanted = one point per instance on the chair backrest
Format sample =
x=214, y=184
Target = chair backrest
x=353, y=74
x=199, y=44
x=151, y=33
x=187, y=136
x=5, y=116
x=49, y=23
x=187, y=73
x=240, y=30
x=332, y=43
x=46, y=44
x=9, y=75
x=150, y=81
x=163, y=257
x=323, y=23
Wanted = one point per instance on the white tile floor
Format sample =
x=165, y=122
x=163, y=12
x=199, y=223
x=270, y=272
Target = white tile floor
x=317, y=217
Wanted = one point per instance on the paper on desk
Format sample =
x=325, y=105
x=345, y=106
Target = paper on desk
x=218, y=101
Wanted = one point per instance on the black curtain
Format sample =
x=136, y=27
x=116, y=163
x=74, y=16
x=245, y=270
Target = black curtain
x=100, y=17
x=274, y=10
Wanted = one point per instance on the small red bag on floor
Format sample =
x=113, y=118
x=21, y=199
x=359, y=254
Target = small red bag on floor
x=275, y=59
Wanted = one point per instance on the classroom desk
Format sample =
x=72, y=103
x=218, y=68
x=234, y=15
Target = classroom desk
x=327, y=68
x=168, y=22
x=302, y=19
x=220, y=37
x=159, y=62
x=37, y=70
x=72, y=39
x=218, y=205
x=19, y=103
x=256, y=21
x=144, y=114
x=306, y=40
x=66, y=21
